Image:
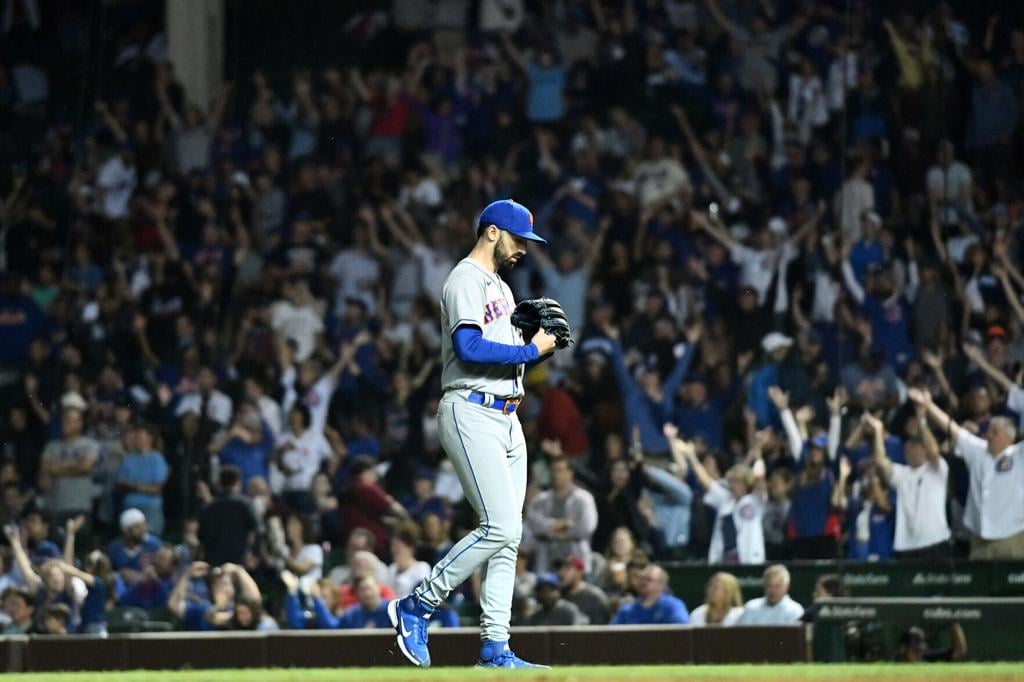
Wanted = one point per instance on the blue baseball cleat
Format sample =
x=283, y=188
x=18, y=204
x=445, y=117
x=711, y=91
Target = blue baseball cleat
x=498, y=655
x=410, y=621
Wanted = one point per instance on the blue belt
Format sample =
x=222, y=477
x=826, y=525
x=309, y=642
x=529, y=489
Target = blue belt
x=506, y=405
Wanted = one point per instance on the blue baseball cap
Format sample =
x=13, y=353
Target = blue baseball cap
x=547, y=580
x=820, y=441
x=424, y=473
x=511, y=217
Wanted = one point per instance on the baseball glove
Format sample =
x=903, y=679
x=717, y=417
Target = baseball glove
x=542, y=313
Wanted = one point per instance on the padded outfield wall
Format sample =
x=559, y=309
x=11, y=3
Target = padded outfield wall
x=586, y=645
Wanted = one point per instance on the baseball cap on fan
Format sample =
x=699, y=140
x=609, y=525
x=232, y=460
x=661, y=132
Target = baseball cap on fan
x=774, y=341
x=511, y=217
x=131, y=517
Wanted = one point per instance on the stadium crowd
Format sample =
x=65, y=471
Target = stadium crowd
x=787, y=235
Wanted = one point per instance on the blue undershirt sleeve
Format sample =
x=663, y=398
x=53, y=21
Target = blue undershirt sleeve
x=471, y=346
x=543, y=358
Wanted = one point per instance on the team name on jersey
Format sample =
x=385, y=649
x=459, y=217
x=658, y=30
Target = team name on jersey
x=497, y=308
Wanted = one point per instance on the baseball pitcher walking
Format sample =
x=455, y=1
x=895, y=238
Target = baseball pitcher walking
x=484, y=359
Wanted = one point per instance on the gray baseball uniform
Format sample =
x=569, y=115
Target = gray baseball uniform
x=486, y=447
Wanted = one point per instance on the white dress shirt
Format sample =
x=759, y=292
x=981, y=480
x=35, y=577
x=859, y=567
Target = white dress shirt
x=760, y=612
x=995, y=501
x=920, y=505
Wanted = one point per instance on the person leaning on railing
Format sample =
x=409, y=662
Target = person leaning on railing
x=995, y=500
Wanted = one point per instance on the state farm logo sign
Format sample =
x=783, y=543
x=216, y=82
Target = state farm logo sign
x=851, y=612
x=865, y=579
x=943, y=579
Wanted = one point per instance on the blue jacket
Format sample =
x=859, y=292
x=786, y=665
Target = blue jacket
x=757, y=395
x=253, y=460
x=148, y=594
x=812, y=506
x=668, y=610
x=643, y=412
x=890, y=329
x=893, y=450
x=194, y=619
x=293, y=613
x=353, y=618
x=137, y=560
x=881, y=529
x=704, y=421
x=672, y=500
x=21, y=321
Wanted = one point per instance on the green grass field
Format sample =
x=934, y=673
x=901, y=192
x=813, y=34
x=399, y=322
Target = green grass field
x=831, y=673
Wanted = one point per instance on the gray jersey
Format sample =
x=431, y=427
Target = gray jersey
x=472, y=296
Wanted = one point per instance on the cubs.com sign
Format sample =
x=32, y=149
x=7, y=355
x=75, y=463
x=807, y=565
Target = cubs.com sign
x=946, y=615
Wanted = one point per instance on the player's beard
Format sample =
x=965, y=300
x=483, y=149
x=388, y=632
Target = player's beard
x=506, y=255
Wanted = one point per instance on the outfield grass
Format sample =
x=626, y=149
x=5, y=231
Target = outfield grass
x=725, y=673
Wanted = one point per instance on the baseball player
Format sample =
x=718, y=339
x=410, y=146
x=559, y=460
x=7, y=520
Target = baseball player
x=484, y=358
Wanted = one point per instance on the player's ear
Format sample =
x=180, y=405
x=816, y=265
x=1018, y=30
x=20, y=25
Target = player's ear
x=489, y=232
